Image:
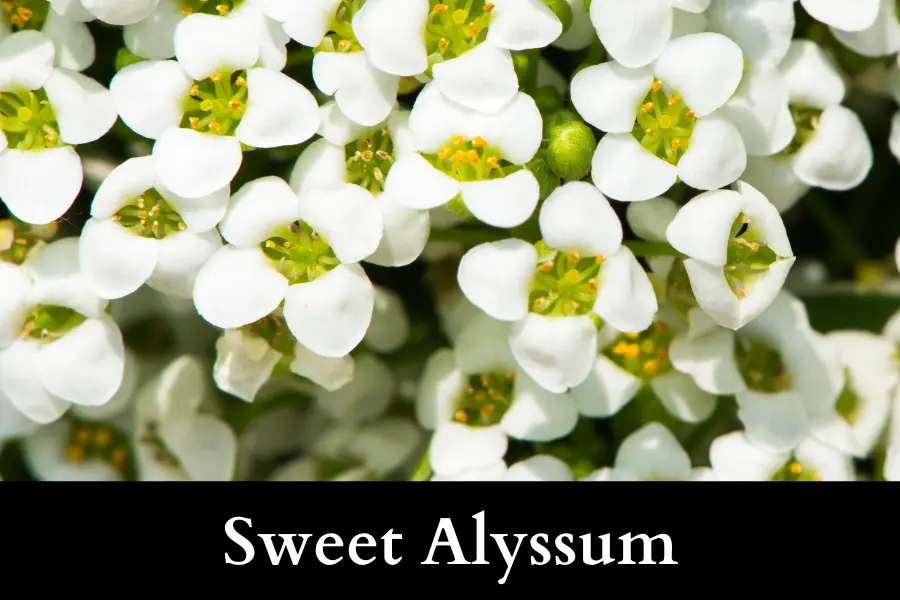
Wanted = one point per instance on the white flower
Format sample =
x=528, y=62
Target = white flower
x=474, y=396
x=549, y=291
x=881, y=38
x=581, y=33
x=636, y=32
x=112, y=12
x=649, y=220
x=862, y=409
x=140, y=232
x=734, y=458
x=662, y=121
x=652, y=453
x=154, y=37
x=299, y=251
x=738, y=249
x=72, y=39
x=859, y=15
x=830, y=149
x=775, y=366
x=364, y=156
x=176, y=440
x=78, y=450
x=366, y=397
x=202, y=108
x=57, y=344
x=390, y=327
x=760, y=109
x=762, y=28
x=540, y=467
x=46, y=111
x=627, y=363
x=467, y=158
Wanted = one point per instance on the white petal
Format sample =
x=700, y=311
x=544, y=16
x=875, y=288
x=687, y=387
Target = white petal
x=194, y=164
x=72, y=9
x=117, y=12
x=335, y=127
x=390, y=325
x=650, y=219
x=257, y=209
x=482, y=79
x=483, y=346
x=58, y=279
x=347, y=217
x=415, y=183
x=441, y=384
x=402, y=52
x=762, y=28
x=861, y=15
x=523, y=25
x=364, y=398
x=704, y=68
x=607, y=389
x=760, y=111
x=239, y=369
x=774, y=422
x=237, y=287
x=634, y=33
x=123, y=186
x=774, y=177
x=456, y=448
x=839, y=156
x=653, y=453
x=623, y=170
x=539, y=468
x=625, y=298
x=154, y=37
x=577, y=217
x=73, y=41
x=557, y=352
x=702, y=226
x=181, y=256
x=270, y=35
x=16, y=285
x=331, y=314
x=581, y=32
x=20, y=383
x=207, y=44
x=149, y=96
x=503, y=202
x=608, y=95
x=516, y=130
x=26, y=60
x=811, y=76
x=405, y=234
x=707, y=357
x=496, y=277
x=199, y=214
x=322, y=164
x=881, y=39
x=362, y=92
x=207, y=450
x=306, y=22
x=44, y=453
x=280, y=111
x=330, y=373
x=682, y=398
x=829, y=464
x=734, y=458
x=27, y=191
x=114, y=260
x=385, y=445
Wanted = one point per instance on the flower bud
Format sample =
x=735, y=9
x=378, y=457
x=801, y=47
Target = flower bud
x=571, y=150
x=563, y=12
x=526, y=64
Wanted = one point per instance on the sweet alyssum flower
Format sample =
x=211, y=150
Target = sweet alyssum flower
x=540, y=467
x=299, y=251
x=661, y=120
x=73, y=41
x=58, y=346
x=775, y=366
x=738, y=249
x=881, y=38
x=154, y=37
x=762, y=28
x=473, y=161
x=207, y=106
x=476, y=395
x=734, y=458
x=140, y=232
x=553, y=290
x=351, y=159
x=112, y=12
x=843, y=16
x=45, y=111
x=636, y=33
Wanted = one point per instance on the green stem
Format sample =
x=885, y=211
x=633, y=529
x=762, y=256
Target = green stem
x=646, y=249
x=422, y=471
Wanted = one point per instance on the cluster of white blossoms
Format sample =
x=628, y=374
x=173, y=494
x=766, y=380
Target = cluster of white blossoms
x=542, y=240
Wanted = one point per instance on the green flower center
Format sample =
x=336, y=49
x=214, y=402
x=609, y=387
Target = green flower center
x=486, y=399
x=761, y=366
x=340, y=37
x=150, y=438
x=150, y=217
x=48, y=323
x=644, y=354
x=848, y=403
x=28, y=120
x=565, y=283
x=664, y=125
x=454, y=27
x=369, y=160
x=806, y=120
x=217, y=104
x=748, y=256
x=209, y=7
x=90, y=440
x=470, y=160
x=25, y=14
x=794, y=470
x=17, y=239
x=274, y=330
x=300, y=253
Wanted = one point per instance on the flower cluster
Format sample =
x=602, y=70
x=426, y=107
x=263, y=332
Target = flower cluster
x=446, y=239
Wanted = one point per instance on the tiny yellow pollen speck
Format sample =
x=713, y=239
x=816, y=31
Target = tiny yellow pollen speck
x=674, y=100
x=473, y=157
x=270, y=244
x=632, y=351
x=573, y=256
x=119, y=455
x=600, y=259
x=676, y=144
x=368, y=155
x=344, y=44
x=647, y=107
x=461, y=415
x=493, y=162
x=195, y=90
x=215, y=126
x=215, y=77
x=222, y=9
x=443, y=43
x=187, y=11
x=650, y=367
x=102, y=437
x=24, y=114
x=486, y=410
x=182, y=226
x=459, y=157
x=545, y=267
x=240, y=81
x=143, y=215
x=25, y=13
x=195, y=122
x=75, y=453
x=796, y=468
x=488, y=7
x=657, y=85
x=740, y=293
x=473, y=30
x=650, y=131
x=745, y=219
x=445, y=152
x=592, y=285
x=690, y=116
x=439, y=9
x=479, y=142
x=83, y=435
x=456, y=140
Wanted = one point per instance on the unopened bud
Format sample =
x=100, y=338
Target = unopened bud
x=571, y=150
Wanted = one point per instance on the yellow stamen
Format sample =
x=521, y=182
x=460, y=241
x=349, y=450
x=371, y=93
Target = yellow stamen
x=488, y=7
x=573, y=256
x=24, y=13
x=187, y=11
x=632, y=351
x=479, y=142
x=195, y=122
x=215, y=127
x=600, y=259
x=119, y=455
x=459, y=158
x=676, y=144
x=740, y=293
x=650, y=367
x=461, y=415
x=796, y=468
x=473, y=157
x=24, y=113
x=215, y=77
x=486, y=410
x=647, y=107
x=240, y=81
x=493, y=162
x=546, y=267
x=445, y=152
x=83, y=435
x=222, y=9
x=195, y=90
x=75, y=453
x=439, y=9
x=674, y=100
x=657, y=85
x=690, y=116
x=456, y=140
x=443, y=43
x=103, y=437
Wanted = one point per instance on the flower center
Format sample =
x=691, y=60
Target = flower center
x=48, y=323
x=806, y=120
x=301, y=254
x=340, y=37
x=28, y=120
x=99, y=441
x=25, y=14
x=17, y=239
x=470, y=160
x=486, y=399
x=161, y=453
x=794, y=470
x=565, y=283
x=848, y=403
x=761, y=366
x=664, y=125
x=369, y=160
x=748, y=256
x=216, y=105
x=645, y=354
x=150, y=217
x=209, y=7
x=454, y=27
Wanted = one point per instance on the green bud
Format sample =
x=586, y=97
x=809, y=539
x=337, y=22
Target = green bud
x=571, y=150
x=563, y=12
x=548, y=99
x=560, y=117
x=526, y=63
x=125, y=58
x=546, y=178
